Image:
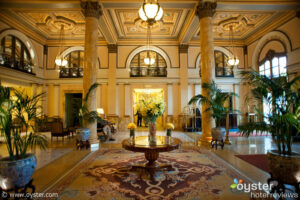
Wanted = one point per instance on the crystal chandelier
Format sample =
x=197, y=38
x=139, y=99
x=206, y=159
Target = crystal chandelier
x=232, y=61
x=60, y=60
x=151, y=12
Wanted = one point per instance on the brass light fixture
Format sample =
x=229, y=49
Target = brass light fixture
x=150, y=12
x=232, y=61
x=60, y=60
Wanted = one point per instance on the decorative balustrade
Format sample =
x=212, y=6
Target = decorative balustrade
x=6, y=61
x=148, y=72
x=74, y=72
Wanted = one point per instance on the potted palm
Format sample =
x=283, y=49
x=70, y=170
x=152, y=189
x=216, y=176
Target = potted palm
x=16, y=170
x=85, y=116
x=282, y=96
x=216, y=104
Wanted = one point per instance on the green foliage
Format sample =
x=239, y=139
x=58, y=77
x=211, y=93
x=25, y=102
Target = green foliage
x=18, y=106
x=215, y=101
x=84, y=115
x=283, y=98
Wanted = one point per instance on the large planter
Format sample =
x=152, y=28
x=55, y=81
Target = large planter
x=284, y=167
x=83, y=134
x=218, y=133
x=16, y=173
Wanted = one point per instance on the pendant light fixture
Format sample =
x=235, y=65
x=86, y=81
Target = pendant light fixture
x=60, y=60
x=151, y=12
x=232, y=61
x=148, y=60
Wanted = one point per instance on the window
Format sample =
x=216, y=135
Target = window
x=14, y=54
x=74, y=69
x=274, y=65
x=221, y=66
x=138, y=68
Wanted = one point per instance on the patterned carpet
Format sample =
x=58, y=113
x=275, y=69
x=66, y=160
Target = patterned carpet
x=106, y=175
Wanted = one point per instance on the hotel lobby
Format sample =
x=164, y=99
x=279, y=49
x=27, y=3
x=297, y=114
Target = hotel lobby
x=150, y=99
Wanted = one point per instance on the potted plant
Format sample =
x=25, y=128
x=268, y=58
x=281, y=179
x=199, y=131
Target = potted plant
x=16, y=170
x=169, y=127
x=85, y=116
x=131, y=127
x=216, y=104
x=282, y=96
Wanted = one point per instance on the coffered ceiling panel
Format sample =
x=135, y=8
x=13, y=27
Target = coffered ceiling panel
x=128, y=24
x=243, y=23
x=48, y=23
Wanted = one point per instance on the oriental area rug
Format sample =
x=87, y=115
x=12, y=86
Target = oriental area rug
x=107, y=175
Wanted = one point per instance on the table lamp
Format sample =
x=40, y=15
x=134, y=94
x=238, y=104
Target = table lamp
x=100, y=111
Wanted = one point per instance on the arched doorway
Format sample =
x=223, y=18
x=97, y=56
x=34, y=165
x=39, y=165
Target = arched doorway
x=153, y=93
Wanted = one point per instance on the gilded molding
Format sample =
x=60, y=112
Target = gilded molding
x=206, y=9
x=91, y=9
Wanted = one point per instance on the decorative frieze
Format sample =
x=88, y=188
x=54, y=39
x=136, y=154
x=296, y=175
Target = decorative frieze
x=206, y=9
x=91, y=8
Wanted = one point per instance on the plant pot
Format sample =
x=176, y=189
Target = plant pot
x=169, y=132
x=284, y=167
x=83, y=134
x=16, y=173
x=218, y=133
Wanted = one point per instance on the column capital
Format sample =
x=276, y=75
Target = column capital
x=112, y=48
x=91, y=8
x=206, y=9
x=183, y=48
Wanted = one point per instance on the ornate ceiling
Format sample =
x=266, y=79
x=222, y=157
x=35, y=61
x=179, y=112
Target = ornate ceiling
x=127, y=24
x=49, y=23
x=119, y=21
x=243, y=23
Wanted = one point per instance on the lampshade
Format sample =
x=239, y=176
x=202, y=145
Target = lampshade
x=100, y=111
x=151, y=11
x=61, y=61
x=233, y=61
x=149, y=61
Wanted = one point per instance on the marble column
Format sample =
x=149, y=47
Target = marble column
x=92, y=11
x=205, y=12
x=127, y=100
x=183, y=54
x=56, y=100
x=170, y=99
x=112, y=82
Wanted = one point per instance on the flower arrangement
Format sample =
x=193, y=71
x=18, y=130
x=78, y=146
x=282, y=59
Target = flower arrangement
x=131, y=126
x=151, y=108
x=170, y=126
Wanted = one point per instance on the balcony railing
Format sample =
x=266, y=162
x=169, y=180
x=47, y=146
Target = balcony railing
x=7, y=62
x=224, y=72
x=71, y=72
x=148, y=72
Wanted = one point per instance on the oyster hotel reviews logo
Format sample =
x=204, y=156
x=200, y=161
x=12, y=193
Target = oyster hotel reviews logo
x=258, y=190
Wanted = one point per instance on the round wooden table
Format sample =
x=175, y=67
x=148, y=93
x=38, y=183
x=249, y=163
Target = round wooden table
x=141, y=144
